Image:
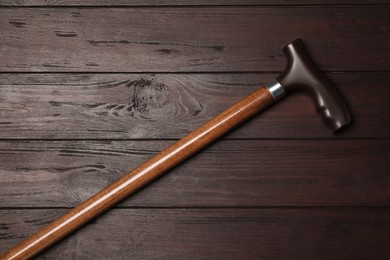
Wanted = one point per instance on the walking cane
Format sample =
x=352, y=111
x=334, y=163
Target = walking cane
x=301, y=74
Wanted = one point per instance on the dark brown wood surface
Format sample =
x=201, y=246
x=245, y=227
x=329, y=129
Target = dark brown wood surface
x=89, y=93
x=191, y=39
x=158, y=3
x=143, y=106
x=175, y=233
x=229, y=173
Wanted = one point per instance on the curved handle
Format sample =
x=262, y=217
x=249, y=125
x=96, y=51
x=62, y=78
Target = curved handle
x=302, y=74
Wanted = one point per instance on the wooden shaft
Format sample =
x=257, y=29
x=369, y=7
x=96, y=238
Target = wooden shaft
x=144, y=174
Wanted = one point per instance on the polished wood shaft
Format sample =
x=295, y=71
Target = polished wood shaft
x=144, y=174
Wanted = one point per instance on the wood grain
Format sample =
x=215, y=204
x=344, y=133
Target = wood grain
x=132, y=106
x=144, y=174
x=213, y=233
x=183, y=3
x=229, y=173
x=238, y=199
x=191, y=39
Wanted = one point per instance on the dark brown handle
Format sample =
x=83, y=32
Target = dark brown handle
x=144, y=174
x=303, y=75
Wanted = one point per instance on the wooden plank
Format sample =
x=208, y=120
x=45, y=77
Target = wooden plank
x=213, y=234
x=122, y=106
x=230, y=173
x=183, y=3
x=191, y=39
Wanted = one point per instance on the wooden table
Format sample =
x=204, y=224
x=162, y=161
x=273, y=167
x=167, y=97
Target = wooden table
x=90, y=90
